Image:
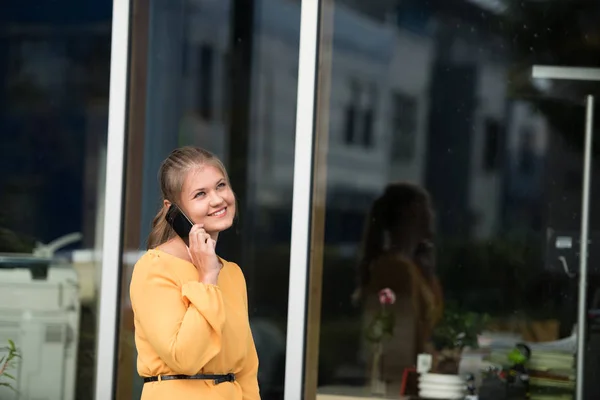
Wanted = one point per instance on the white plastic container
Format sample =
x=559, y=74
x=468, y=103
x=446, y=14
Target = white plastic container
x=41, y=315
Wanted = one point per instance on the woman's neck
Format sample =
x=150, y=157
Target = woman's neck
x=176, y=247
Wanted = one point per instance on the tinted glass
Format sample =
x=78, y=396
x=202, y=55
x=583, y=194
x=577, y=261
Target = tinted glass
x=454, y=178
x=220, y=75
x=54, y=78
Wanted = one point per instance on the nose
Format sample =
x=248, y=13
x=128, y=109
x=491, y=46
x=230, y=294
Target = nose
x=215, y=199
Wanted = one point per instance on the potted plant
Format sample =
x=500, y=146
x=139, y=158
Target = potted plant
x=457, y=329
x=7, y=364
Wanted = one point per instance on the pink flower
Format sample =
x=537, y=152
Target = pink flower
x=387, y=296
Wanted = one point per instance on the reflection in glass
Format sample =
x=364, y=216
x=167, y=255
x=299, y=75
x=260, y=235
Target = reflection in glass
x=54, y=69
x=456, y=117
x=398, y=256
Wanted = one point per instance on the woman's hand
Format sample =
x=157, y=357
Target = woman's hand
x=202, y=253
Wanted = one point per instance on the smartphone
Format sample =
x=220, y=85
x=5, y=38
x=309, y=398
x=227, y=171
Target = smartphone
x=180, y=222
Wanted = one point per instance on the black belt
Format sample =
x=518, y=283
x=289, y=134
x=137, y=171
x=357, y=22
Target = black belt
x=217, y=378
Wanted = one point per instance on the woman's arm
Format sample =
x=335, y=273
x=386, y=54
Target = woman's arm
x=183, y=325
x=248, y=376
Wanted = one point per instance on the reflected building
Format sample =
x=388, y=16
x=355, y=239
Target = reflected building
x=393, y=120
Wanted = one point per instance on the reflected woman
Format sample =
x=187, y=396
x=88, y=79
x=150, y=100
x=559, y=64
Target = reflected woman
x=190, y=306
x=398, y=254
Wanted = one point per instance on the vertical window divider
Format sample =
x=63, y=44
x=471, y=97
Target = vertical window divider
x=301, y=206
x=115, y=161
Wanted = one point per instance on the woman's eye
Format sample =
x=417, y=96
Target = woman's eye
x=221, y=185
x=199, y=194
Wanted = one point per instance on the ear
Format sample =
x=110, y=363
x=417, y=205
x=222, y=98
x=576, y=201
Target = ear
x=167, y=204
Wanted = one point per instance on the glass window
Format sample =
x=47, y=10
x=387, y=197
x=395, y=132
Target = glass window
x=467, y=205
x=54, y=75
x=235, y=97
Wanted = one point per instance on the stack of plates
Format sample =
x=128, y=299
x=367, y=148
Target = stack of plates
x=437, y=386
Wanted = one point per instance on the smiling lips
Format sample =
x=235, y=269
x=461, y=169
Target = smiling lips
x=220, y=213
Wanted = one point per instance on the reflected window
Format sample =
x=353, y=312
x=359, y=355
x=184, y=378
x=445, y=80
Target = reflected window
x=527, y=151
x=205, y=90
x=404, y=127
x=491, y=149
x=359, y=115
x=369, y=113
x=351, y=112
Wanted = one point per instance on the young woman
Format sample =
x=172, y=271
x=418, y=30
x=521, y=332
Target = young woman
x=190, y=307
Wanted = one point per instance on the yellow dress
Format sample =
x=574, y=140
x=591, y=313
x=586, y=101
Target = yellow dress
x=183, y=326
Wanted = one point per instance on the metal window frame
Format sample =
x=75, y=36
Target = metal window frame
x=579, y=74
x=302, y=199
x=112, y=236
x=565, y=73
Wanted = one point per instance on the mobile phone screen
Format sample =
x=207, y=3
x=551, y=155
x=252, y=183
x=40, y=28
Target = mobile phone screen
x=180, y=223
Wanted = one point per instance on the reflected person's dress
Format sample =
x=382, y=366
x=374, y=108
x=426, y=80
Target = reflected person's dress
x=183, y=326
x=418, y=307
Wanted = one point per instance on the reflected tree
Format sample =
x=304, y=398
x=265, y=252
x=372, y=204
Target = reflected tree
x=553, y=33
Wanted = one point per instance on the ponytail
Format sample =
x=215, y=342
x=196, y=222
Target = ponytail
x=161, y=230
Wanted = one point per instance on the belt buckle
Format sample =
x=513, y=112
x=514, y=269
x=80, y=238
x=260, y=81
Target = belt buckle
x=159, y=377
x=230, y=377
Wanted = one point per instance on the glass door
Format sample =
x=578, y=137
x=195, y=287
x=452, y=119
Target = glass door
x=454, y=168
x=221, y=75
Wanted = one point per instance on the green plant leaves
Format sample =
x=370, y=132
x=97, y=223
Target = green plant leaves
x=6, y=364
x=382, y=326
x=458, y=328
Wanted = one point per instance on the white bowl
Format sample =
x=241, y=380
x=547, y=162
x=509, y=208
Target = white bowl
x=443, y=379
x=442, y=394
x=441, y=386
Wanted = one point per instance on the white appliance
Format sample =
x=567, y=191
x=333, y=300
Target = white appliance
x=39, y=311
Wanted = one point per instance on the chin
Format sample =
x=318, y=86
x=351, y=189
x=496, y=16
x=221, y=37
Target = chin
x=222, y=226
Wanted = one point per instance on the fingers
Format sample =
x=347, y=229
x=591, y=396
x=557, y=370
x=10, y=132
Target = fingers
x=209, y=246
x=200, y=240
x=193, y=239
x=202, y=253
x=196, y=228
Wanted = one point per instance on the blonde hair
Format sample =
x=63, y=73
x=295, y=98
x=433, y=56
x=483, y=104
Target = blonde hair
x=171, y=176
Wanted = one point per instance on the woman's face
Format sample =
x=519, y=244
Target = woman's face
x=207, y=199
